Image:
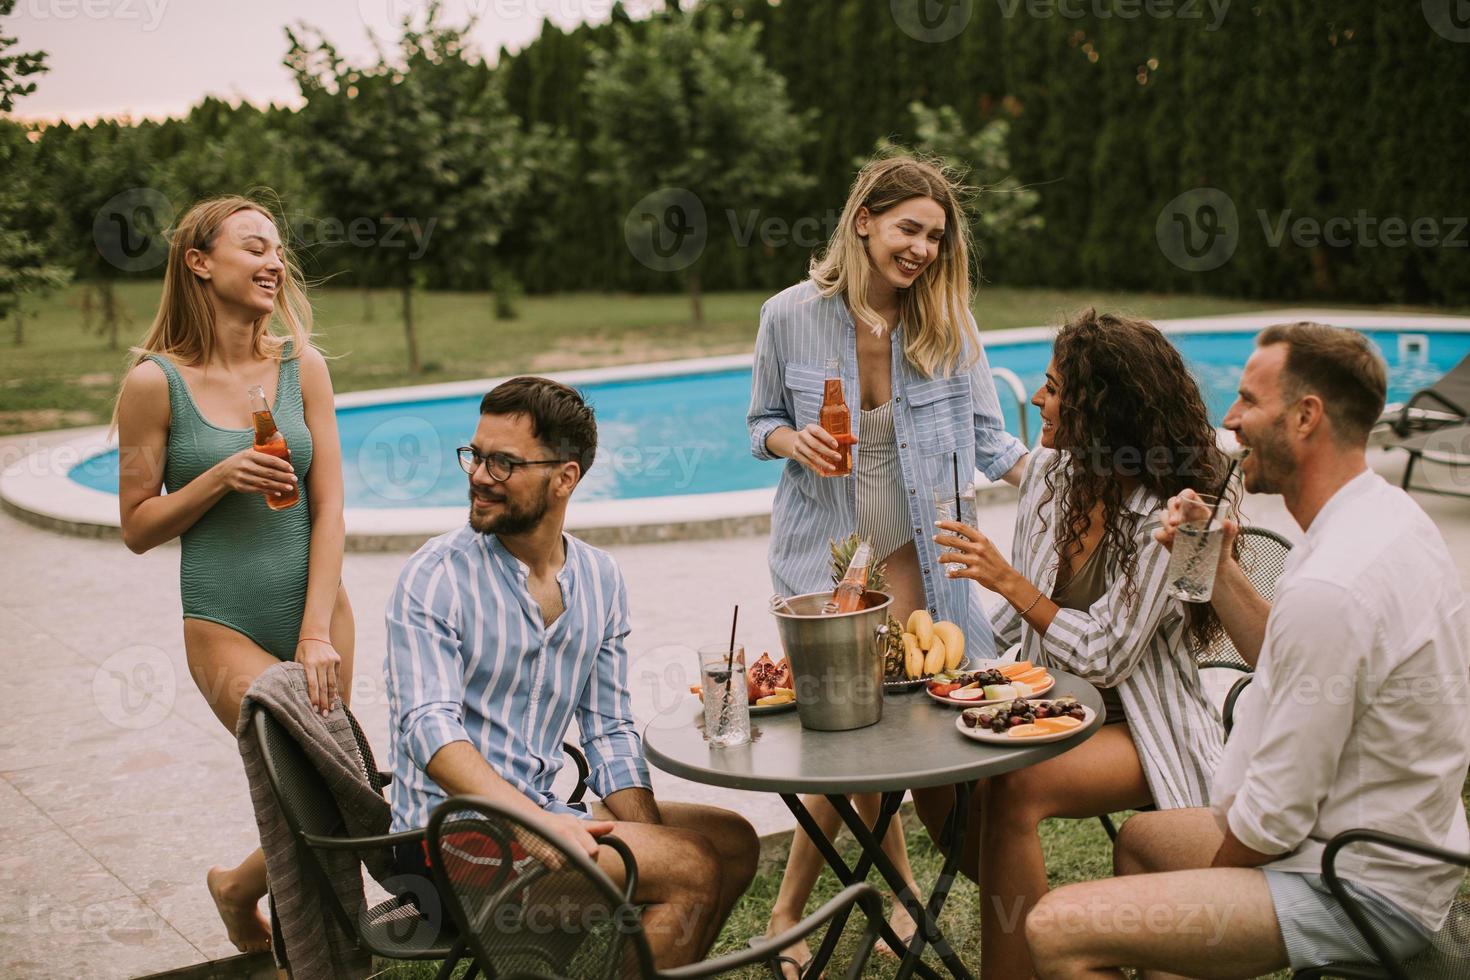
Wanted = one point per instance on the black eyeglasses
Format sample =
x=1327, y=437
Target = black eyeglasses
x=498, y=466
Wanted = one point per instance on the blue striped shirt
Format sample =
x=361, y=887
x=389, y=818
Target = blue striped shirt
x=935, y=421
x=469, y=659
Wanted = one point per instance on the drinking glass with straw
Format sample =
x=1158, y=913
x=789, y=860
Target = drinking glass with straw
x=958, y=505
x=723, y=682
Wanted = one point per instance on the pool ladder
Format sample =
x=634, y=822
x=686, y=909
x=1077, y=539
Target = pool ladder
x=1018, y=390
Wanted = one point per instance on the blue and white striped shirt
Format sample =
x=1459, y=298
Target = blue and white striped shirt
x=935, y=420
x=469, y=659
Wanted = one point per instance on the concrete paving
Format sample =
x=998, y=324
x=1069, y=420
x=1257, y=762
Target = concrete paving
x=118, y=788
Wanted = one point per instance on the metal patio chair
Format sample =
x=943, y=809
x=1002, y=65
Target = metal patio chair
x=397, y=928
x=529, y=907
x=1448, y=955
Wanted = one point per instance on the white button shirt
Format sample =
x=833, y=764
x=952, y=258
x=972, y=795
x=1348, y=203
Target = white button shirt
x=1357, y=716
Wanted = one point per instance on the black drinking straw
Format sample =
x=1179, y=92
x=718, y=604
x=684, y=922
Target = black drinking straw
x=1234, y=462
x=954, y=459
x=730, y=661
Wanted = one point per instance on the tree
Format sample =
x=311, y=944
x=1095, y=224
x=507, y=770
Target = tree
x=14, y=67
x=104, y=182
x=25, y=259
x=418, y=151
x=690, y=119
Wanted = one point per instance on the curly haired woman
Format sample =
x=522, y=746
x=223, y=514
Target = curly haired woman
x=1123, y=429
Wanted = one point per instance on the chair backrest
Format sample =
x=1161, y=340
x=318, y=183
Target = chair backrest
x=306, y=804
x=526, y=905
x=1263, y=559
x=1454, y=387
x=1447, y=957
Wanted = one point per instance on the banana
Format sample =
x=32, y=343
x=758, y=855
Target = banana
x=954, y=643
x=913, y=657
x=921, y=624
x=934, y=661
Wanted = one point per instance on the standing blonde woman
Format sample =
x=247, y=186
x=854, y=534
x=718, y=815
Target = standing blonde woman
x=259, y=585
x=889, y=302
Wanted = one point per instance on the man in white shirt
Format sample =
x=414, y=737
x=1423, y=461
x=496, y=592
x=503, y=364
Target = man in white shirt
x=1356, y=716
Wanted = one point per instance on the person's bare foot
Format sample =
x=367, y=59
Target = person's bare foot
x=794, y=958
x=244, y=923
x=901, y=923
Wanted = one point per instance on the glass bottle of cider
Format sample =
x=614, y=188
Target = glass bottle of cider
x=837, y=420
x=268, y=440
x=848, y=596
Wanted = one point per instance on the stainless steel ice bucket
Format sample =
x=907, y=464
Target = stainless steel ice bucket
x=835, y=660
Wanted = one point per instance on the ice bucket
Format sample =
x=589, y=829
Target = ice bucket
x=835, y=660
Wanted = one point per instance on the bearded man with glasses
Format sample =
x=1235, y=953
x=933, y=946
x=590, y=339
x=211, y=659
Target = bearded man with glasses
x=503, y=631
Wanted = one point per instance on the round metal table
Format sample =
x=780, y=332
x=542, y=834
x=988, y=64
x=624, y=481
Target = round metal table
x=914, y=746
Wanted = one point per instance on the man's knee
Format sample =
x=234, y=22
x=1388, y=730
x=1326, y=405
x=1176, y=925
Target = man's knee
x=1129, y=849
x=737, y=843
x=1046, y=933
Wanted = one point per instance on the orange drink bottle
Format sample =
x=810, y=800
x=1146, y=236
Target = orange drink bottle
x=848, y=596
x=836, y=419
x=268, y=440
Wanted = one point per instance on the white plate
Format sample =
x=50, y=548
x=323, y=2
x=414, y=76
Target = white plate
x=986, y=735
x=980, y=703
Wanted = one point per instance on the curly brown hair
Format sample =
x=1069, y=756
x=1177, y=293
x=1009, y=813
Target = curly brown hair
x=1128, y=408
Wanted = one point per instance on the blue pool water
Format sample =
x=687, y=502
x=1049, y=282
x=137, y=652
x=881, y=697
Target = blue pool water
x=686, y=434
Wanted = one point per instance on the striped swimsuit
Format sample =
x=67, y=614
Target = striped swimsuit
x=881, y=504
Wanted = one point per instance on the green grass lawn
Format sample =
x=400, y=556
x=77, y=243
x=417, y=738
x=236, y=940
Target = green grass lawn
x=63, y=375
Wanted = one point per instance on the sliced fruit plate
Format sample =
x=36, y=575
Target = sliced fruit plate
x=1031, y=722
x=990, y=682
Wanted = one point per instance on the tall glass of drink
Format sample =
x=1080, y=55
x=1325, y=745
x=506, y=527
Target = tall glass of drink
x=1196, y=554
x=726, y=703
x=945, y=510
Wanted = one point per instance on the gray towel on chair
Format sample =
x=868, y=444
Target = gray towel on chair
x=316, y=946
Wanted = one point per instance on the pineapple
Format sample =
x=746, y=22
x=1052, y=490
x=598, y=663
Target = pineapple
x=842, y=557
x=890, y=647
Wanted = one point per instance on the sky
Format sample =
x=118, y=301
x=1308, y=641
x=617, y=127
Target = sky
x=159, y=57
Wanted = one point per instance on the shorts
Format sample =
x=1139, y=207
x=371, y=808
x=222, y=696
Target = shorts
x=1317, y=930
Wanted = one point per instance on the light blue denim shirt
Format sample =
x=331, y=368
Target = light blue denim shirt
x=934, y=420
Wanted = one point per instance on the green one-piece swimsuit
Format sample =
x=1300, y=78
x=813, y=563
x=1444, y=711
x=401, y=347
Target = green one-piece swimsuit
x=244, y=565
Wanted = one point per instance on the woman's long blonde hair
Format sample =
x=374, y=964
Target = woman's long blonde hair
x=940, y=336
x=183, y=328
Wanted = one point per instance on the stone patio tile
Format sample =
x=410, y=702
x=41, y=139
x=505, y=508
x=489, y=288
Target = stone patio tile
x=110, y=939
x=20, y=819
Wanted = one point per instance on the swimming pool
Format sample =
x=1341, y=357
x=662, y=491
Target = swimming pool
x=684, y=434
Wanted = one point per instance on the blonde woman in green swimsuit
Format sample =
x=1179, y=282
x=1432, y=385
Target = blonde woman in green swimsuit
x=258, y=585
